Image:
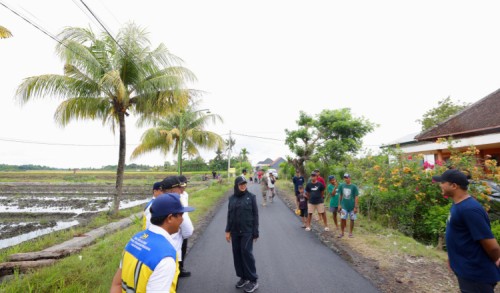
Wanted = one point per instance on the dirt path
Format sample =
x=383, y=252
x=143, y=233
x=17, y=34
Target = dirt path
x=389, y=271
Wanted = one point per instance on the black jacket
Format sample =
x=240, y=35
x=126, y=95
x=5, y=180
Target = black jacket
x=243, y=215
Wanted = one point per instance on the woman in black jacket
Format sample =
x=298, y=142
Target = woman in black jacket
x=243, y=229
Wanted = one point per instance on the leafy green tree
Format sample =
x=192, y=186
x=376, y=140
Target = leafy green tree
x=108, y=79
x=4, y=33
x=330, y=136
x=244, y=154
x=195, y=164
x=218, y=163
x=445, y=109
x=182, y=131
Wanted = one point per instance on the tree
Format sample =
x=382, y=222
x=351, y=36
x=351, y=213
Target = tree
x=109, y=78
x=331, y=136
x=218, y=163
x=445, y=109
x=244, y=154
x=4, y=33
x=182, y=131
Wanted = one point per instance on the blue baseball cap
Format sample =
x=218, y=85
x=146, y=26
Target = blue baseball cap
x=331, y=177
x=157, y=186
x=166, y=204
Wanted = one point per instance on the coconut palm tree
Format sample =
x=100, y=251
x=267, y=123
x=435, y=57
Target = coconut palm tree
x=4, y=33
x=108, y=79
x=182, y=132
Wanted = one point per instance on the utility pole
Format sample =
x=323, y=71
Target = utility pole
x=229, y=155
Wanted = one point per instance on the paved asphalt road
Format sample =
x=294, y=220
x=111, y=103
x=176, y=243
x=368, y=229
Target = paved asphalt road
x=288, y=259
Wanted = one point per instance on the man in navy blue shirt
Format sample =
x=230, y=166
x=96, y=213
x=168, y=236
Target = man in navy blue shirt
x=297, y=180
x=473, y=252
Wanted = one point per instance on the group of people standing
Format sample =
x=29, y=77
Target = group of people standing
x=153, y=259
x=343, y=200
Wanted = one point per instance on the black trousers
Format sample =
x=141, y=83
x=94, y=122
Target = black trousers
x=183, y=253
x=244, y=262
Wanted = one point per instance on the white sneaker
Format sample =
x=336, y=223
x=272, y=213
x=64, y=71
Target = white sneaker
x=327, y=229
x=308, y=229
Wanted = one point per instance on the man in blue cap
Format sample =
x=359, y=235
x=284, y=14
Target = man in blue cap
x=473, y=252
x=149, y=258
x=147, y=214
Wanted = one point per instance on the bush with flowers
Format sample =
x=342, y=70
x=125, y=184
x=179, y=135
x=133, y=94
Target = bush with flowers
x=398, y=191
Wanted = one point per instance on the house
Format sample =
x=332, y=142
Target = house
x=269, y=163
x=477, y=124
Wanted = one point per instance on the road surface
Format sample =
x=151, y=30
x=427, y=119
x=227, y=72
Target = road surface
x=288, y=259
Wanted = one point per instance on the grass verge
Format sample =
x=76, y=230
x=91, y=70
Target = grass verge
x=98, y=263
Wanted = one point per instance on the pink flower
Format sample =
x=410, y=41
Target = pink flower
x=410, y=157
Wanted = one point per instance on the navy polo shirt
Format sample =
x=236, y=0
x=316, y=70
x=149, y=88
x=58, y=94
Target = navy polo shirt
x=467, y=224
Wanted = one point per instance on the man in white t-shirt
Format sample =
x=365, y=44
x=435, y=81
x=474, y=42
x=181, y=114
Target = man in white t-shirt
x=187, y=232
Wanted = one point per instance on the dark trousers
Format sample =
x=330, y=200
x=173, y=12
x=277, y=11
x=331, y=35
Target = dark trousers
x=244, y=262
x=467, y=286
x=183, y=253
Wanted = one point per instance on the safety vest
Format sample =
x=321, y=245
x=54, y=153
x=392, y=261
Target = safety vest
x=141, y=256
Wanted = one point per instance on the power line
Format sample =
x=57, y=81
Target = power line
x=103, y=26
x=58, y=144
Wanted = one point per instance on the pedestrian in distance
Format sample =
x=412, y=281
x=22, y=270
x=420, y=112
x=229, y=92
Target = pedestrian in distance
x=348, y=203
x=146, y=215
x=149, y=258
x=264, y=188
x=242, y=230
x=302, y=205
x=297, y=180
x=244, y=174
x=315, y=195
x=473, y=252
x=270, y=184
x=333, y=195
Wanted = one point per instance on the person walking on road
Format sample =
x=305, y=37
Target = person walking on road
x=264, y=188
x=315, y=195
x=473, y=252
x=349, y=204
x=297, y=180
x=333, y=194
x=270, y=184
x=149, y=258
x=242, y=229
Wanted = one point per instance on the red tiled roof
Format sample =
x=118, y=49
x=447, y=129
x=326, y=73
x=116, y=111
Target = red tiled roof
x=482, y=117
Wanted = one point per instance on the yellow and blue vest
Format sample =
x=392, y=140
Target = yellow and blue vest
x=141, y=256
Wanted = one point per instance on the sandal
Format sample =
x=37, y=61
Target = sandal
x=308, y=229
x=327, y=229
x=340, y=236
x=351, y=236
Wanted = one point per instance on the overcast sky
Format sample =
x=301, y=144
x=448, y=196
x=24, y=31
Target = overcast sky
x=260, y=63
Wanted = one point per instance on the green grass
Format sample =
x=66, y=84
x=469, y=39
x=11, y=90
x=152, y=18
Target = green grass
x=94, y=272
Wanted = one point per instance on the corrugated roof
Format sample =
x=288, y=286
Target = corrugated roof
x=481, y=117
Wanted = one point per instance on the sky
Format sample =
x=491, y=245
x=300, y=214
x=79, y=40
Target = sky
x=259, y=63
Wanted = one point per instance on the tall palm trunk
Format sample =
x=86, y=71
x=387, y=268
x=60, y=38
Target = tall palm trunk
x=121, y=165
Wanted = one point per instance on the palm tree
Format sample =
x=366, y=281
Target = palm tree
x=4, y=33
x=107, y=79
x=182, y=133
x=244, y=154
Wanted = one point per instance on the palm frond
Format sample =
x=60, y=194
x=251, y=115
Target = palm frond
x=83, y=108
x=4, y=33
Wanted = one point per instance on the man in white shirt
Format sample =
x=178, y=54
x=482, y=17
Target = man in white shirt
x=152, y=251
x=188, y=229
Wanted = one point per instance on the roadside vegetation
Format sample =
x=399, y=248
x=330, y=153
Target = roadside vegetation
x=93, y=268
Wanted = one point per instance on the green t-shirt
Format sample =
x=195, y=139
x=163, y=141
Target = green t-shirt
x=334, y=201
x=349, y=193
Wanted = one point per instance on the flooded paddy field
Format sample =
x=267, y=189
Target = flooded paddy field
x=29, y=210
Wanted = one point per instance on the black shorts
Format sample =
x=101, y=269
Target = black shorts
x=303, y=213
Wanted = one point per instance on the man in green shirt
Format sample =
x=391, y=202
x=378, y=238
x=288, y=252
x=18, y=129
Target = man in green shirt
x=348, y=201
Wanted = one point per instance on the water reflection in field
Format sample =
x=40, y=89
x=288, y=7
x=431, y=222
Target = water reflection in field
x=27, y=236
